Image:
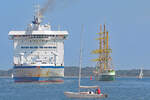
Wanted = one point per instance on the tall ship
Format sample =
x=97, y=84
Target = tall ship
x=38, y=52
x=104, y=67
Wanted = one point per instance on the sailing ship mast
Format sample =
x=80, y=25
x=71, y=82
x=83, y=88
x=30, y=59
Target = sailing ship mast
x=103, y=51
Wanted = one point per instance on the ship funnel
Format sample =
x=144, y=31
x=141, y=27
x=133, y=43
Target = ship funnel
x=37, y=20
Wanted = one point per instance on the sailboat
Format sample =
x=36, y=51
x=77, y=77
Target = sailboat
x=12, y=76
x=88, y=94
x=141, y=74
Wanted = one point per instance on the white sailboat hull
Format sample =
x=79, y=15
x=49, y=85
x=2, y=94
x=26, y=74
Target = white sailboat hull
x=84, y=95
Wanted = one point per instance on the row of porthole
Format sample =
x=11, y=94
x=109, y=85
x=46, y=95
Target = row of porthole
x=36, y=47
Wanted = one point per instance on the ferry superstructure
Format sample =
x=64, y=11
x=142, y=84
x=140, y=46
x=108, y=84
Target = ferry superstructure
x=38, y=53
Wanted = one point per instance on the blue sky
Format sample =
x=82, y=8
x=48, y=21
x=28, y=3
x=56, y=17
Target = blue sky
x=128, y=23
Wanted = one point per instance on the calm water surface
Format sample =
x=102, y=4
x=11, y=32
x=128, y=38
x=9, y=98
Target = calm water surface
x=121, y=89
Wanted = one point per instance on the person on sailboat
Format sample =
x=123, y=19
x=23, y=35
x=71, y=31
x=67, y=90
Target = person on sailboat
x=98, y=91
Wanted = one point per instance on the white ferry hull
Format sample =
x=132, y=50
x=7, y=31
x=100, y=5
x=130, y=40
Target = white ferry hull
x=38, y=73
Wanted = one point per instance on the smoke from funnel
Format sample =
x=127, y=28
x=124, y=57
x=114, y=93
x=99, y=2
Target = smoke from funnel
x=48, y=5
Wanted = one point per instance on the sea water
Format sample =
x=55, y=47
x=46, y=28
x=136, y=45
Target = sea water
x=121, y=89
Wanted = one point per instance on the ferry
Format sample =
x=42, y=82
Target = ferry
x=38, y=52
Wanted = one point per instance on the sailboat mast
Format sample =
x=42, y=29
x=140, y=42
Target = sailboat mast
x=80, y=63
